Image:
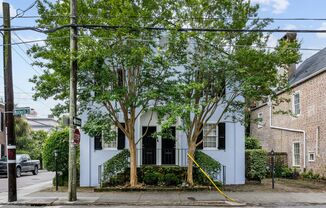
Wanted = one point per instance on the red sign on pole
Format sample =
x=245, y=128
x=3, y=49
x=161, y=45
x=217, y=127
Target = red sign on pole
x=76, y=136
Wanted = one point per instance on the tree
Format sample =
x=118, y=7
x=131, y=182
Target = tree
x=57, y=140
x=120, y=71
x=223, y=70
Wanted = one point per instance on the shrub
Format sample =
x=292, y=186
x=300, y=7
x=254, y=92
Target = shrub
x=256, y=164
x=151, y=178
x=115, y=165
x=290, y=173
x=252, y=143
x=171, y=180
x=310, y=175
x=208, y=164
x=57, y=140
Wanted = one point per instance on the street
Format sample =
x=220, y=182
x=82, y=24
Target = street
x=27, y=179
x=118, y=206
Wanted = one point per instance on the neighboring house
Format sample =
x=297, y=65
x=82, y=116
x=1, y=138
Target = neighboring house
x=45, y=124
x=225, y=144
x=301, y=135
x=2, y=131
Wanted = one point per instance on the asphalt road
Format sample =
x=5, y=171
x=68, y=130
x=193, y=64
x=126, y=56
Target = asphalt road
x=13, y=206
x=27, y=179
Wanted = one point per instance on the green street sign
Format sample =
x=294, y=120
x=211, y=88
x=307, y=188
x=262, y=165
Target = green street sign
x=19, y=111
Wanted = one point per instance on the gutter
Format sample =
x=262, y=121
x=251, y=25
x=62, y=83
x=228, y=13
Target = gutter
x=288, y=129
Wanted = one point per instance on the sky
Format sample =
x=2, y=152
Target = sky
x=23, y=71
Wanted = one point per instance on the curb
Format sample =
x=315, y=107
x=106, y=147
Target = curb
x=58, y=201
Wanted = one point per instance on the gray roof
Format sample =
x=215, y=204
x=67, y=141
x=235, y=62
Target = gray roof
x=310, y=66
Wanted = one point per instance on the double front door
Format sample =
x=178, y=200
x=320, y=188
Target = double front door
x=149, y=150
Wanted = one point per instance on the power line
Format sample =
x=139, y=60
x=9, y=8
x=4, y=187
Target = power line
x=21, y=90
x=26, y=61
x=35, y=41
x=115, y=27
x=205, y=18
x=141, y=40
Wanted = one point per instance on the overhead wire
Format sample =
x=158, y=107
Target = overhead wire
x=184, y=29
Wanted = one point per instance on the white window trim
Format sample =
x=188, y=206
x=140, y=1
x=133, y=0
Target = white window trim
x=309, y=156
x=260, y=122
x=109, y=148
x=293, y=106
x=216, y=138
x=293, y=159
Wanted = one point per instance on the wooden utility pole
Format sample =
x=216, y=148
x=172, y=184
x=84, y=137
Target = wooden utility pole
x=72, y=177
x=9, y=105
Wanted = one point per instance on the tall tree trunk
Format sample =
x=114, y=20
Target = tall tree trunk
x=133, y=163
x=191, y=152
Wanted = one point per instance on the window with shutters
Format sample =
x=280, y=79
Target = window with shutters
x=117, y=143
x=210, y=136
x=109, y=144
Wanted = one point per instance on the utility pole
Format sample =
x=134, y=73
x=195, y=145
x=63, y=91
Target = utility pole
x=72, y=177
x=9, y=105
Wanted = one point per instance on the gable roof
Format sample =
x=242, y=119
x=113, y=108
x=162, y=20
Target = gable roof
x=310, y=66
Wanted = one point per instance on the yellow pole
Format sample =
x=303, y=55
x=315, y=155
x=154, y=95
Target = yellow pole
x=209, y=178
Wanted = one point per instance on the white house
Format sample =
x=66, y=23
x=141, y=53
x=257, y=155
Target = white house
x=225, y=144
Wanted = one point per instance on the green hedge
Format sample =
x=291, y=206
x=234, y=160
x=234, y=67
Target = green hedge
x=117, y=171
x=256, y=164
x=118, y=163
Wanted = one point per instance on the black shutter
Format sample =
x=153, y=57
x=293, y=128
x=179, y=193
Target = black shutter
x=200, y=139
x=2, y=153
x=121, y=138
x=2, y=120
x=98, y=142
x=221, y=136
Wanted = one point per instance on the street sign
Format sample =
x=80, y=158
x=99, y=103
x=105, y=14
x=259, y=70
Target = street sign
x=76, y=121
x=76, y=136
x=19, y=111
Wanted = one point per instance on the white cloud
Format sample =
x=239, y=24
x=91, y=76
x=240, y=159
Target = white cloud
x=290, y=27
x=278, y=6
x=322, y=27
x=12, y=9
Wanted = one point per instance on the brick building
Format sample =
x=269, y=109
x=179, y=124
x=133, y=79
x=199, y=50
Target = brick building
x=301, y=133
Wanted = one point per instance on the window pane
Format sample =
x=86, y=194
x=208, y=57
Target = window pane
x=210, y=140
x=296, y=154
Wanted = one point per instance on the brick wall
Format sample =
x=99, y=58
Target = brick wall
x=312, y=119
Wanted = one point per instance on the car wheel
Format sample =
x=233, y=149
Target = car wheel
x=18, y=172
x=35, y=171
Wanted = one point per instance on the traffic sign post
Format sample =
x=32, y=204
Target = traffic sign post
x=76, y=121
x=76, y=137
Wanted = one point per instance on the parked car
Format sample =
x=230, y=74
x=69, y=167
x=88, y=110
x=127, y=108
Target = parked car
x=23, y=164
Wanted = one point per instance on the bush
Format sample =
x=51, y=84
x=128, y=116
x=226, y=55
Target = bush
x=171, y=180
x=57, y=140
x=290, y=173
x=310, y=175
x=252, y=143
x=151, y=178
x=256, y=164
x=115, y=165
x=208, y=164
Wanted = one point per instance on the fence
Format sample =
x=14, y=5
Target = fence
x=172, y=157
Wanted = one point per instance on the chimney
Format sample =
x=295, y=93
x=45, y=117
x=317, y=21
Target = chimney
x=290, y=36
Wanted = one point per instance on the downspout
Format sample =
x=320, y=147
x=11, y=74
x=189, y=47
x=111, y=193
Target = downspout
x=287, y=129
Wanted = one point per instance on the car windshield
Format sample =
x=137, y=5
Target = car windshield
x=18, y=157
